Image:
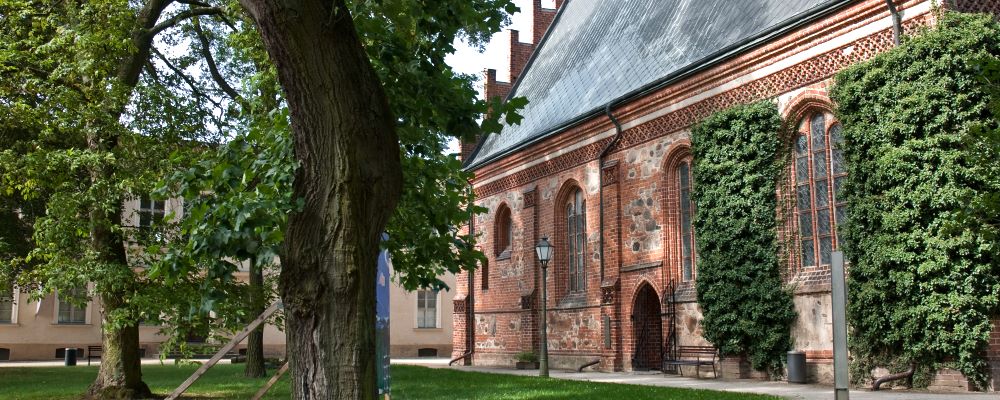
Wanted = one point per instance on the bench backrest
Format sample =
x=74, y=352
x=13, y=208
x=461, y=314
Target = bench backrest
x=94, y=348
x=696, y=350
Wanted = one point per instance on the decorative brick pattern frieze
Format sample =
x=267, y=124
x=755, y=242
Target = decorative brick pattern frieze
x=539, y=171
x=530, y=198
x=979, y=6
x=610, y=173
x=608, y=291
x=528, y=301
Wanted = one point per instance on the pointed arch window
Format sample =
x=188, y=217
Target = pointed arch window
x=504, y=236
x=576, y=231
x=685, y=209
x=819, y=176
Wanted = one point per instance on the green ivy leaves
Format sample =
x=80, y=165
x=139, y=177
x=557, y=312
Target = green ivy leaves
x=924, y=274
x=737, y=164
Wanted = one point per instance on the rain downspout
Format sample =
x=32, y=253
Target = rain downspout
x=600, y=176
x=897, y=22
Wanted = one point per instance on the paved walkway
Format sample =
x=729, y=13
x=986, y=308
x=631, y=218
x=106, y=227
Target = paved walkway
x=786, y=390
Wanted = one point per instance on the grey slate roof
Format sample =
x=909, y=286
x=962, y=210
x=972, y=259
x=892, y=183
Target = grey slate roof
x=601, y=50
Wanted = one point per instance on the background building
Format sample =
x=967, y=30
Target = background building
x=421, y=322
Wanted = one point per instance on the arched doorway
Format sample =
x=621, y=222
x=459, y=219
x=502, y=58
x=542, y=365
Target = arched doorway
x=647, y=328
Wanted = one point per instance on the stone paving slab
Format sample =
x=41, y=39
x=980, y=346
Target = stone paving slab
x=782, y=389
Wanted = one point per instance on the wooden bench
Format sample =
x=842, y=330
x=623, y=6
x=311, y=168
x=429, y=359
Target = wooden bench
x=694, y=355
x=90, y=353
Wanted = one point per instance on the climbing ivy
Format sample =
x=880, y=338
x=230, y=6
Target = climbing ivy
x=924, y=274
x=737, y=164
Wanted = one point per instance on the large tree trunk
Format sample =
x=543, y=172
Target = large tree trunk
x=255, y=342
x=350, y=179
x=120, y=376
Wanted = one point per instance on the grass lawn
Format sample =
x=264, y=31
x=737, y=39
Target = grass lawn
x=409, y=382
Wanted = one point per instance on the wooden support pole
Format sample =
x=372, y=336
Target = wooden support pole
x=274, y=379
x=225, y=349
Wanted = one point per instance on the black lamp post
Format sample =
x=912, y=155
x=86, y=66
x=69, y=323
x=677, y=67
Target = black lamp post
x=544, y=250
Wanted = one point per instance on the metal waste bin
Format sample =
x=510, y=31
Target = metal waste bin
x=70, y=357
x=796, y=366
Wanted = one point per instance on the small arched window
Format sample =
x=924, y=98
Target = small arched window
x=576, y=237
x=819, y=176
x=504, y=236
x=686, y=210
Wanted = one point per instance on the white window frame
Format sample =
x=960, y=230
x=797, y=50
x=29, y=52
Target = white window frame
x=15, y=298
x=437, y=310
x=86, y=316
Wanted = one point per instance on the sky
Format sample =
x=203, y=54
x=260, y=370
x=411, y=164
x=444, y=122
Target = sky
x=469, y=60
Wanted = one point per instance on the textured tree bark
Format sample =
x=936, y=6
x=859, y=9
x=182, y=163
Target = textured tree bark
x=120, y=374
x=255, y=342
x=350, y=180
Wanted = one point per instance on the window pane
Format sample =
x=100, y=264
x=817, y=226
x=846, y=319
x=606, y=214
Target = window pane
x=836, y=136
x=823, y=221
x=822, y=193
x=145, y=218
x=819, y=164
x=685, y=201
x=144, y=203
x=69, y=313
x=802, y=169
x=841, y=215
x=802, y=145
x=804, y=202
x=838, y=185
x=838, y=162
x=808, y=253
x=818, y=132
x=825, y=249
x=682, y=172
x=6, y=305
x=805, y=224
x=687, y=268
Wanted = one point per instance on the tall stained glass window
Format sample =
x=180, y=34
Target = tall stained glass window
x=819, y=176
x=576, y=236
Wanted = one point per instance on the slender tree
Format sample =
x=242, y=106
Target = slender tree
x=75, y=75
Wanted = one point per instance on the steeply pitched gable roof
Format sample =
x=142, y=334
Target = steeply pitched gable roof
x=598, y=51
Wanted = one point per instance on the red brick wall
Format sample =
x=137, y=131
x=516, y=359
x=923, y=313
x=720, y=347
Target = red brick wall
x=542, y=18
x=519, y=54
x=492, y=89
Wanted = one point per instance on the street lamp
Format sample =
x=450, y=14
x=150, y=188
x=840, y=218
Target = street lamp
x=544, y=250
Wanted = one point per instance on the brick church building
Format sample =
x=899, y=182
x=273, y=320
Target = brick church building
x=601, y=165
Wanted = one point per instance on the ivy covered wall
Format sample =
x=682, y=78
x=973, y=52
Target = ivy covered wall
x=925, y=272
x=737, y=164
